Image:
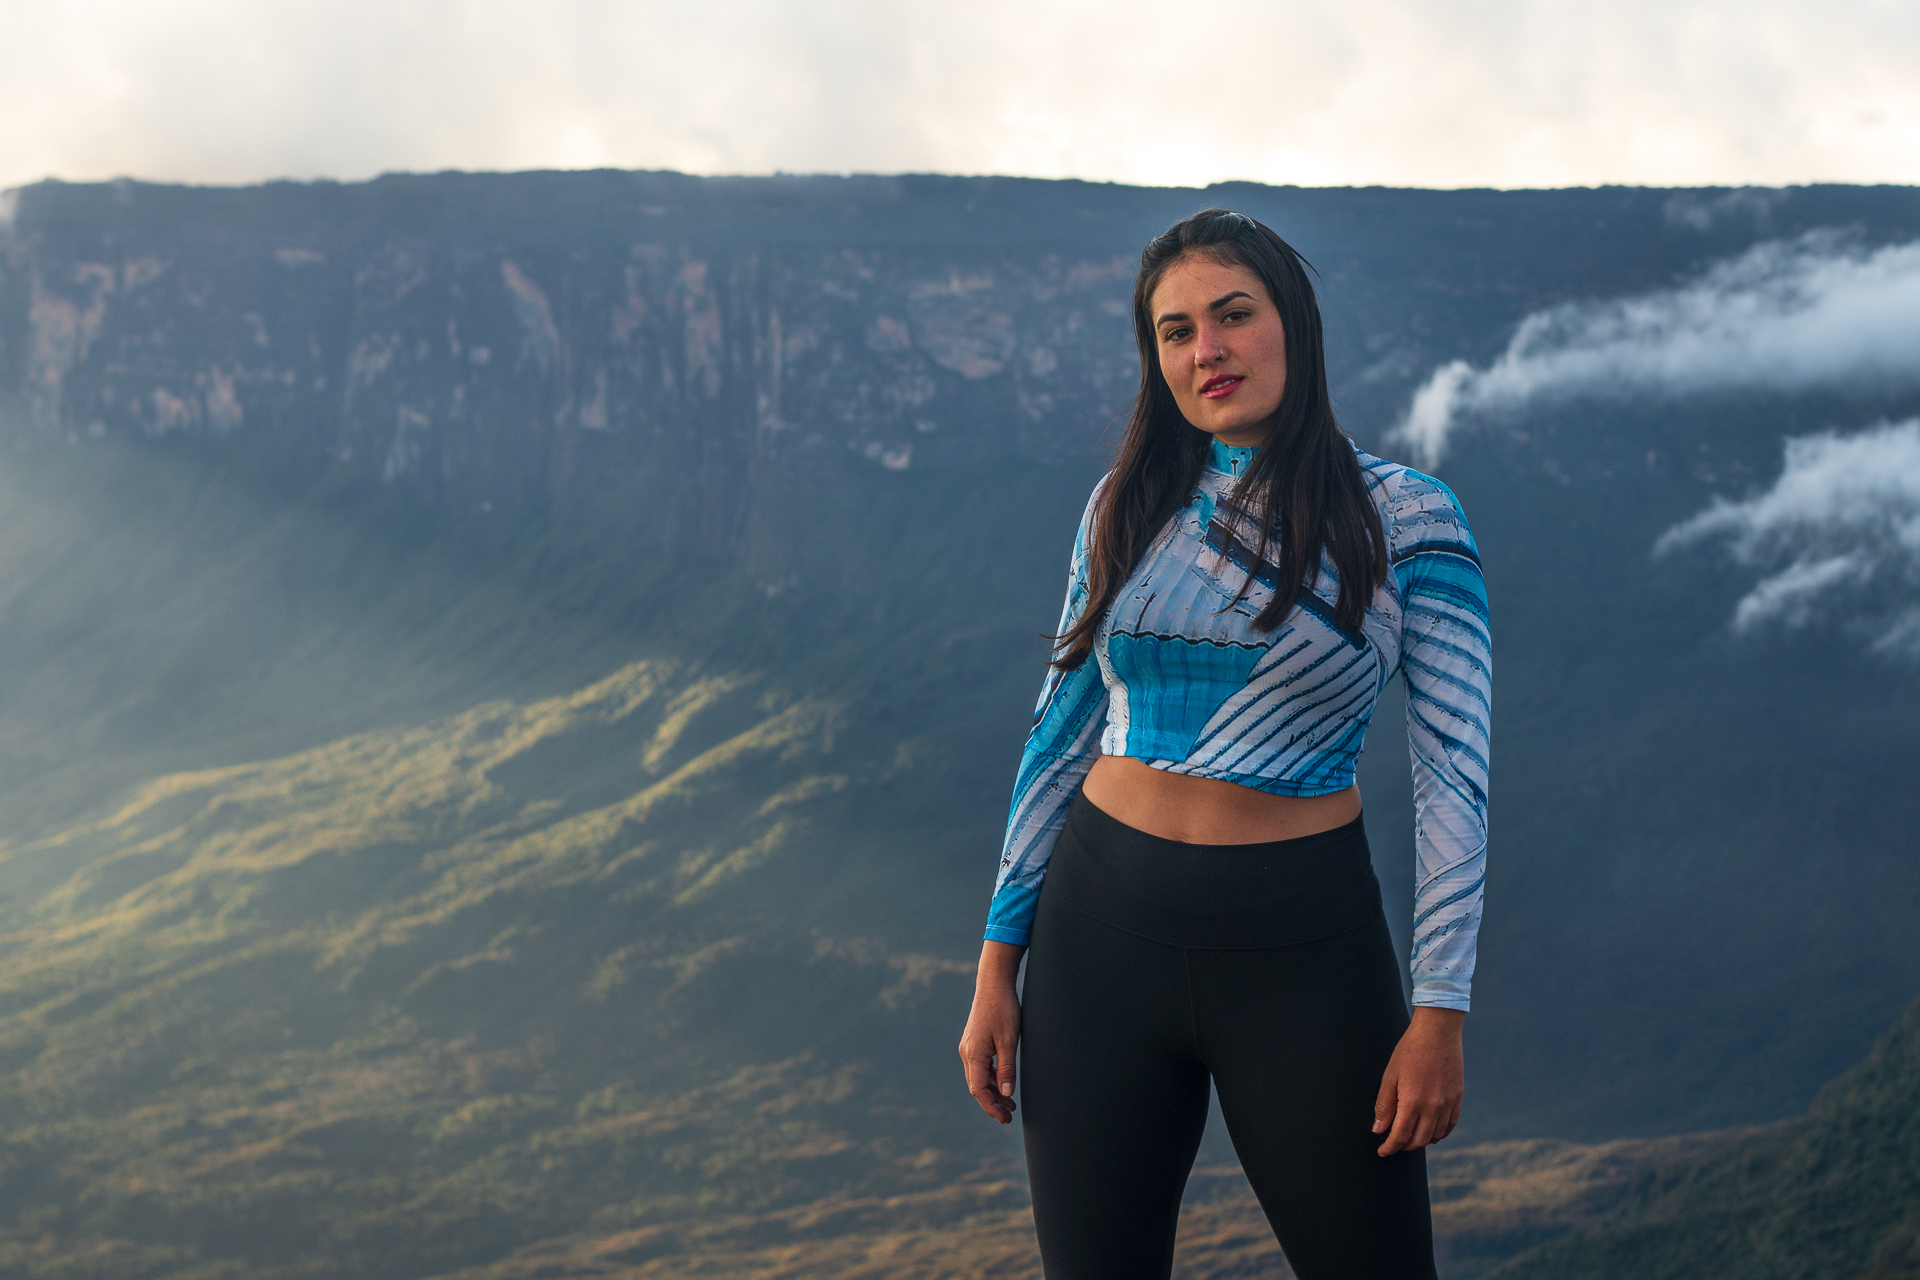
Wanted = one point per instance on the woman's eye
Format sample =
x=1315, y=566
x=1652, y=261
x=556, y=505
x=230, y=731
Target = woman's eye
x=1173, y=335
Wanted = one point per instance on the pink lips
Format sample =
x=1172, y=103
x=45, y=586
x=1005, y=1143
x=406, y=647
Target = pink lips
x=1215, y=388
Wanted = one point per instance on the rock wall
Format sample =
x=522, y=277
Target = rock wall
x=490, y=367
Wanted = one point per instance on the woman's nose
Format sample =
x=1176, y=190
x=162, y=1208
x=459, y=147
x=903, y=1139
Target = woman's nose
x=1209, y=349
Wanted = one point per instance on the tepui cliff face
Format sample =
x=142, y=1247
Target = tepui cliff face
x=458, y=370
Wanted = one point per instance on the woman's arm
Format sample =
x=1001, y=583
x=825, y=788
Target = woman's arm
x=1446, y=656
x=1061, y=748
x=993, y=1030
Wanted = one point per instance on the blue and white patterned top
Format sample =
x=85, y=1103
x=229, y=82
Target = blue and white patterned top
x=1181, y=680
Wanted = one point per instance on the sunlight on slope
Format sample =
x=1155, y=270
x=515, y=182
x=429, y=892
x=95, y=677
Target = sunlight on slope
x=448, y=988
x=432, y=785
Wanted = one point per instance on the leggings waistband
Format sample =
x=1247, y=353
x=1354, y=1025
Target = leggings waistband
x=1213, y=896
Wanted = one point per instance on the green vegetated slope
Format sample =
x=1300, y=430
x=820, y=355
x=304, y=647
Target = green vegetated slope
x=413, y=957
x=408, y=1000
x=1833, y=1196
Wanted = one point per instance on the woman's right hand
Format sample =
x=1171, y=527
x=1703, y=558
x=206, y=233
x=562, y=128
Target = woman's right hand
x=993, y=1030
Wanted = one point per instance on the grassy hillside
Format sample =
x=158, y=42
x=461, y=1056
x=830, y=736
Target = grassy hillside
x=402, y=1002
x=380, y=894
x=1833, y=1196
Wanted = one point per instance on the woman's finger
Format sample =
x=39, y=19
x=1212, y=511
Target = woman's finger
x=977, y=1069
x=1003, y=1072
x=992, y=1103
x=1386, y=1102
x=982, y=1084
x=1424, y=1128
x=1406, y=1115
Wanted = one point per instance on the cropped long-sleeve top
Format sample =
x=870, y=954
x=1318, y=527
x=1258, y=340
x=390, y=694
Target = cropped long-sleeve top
x=1180, y=679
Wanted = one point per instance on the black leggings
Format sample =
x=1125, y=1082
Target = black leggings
x=1156, y=964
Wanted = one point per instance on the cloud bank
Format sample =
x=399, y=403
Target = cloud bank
x=1536, y=93
x=1839, y=533
x=1785, y=316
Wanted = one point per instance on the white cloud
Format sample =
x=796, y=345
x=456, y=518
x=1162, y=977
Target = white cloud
x=1839, y=532
x=1785, y=316
x=1500, y=93
x=1790, y=596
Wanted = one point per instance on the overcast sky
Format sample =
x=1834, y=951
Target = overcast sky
x=1461, y=93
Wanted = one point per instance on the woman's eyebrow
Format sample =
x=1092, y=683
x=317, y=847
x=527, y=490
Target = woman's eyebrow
x=1215, y=305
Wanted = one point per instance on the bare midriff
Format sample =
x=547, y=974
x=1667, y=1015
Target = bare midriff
x=1177, y=806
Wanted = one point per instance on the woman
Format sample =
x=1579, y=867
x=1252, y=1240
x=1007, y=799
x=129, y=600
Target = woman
x=1244, y=583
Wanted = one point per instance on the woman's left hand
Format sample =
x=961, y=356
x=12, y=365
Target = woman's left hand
x=1420, y=1093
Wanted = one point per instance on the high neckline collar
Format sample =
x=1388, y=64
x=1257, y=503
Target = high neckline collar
x=1232, y=459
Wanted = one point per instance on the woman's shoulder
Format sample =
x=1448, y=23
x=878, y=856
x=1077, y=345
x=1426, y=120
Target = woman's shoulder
x=1093, y=500
x=1083, y=535
x=1414, y=506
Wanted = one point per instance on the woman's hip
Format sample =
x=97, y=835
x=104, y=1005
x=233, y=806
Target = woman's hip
x=1209, y=897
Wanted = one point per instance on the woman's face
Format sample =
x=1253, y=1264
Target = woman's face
x=1223, y=349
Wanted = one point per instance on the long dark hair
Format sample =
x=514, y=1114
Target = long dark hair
x=1304, y=488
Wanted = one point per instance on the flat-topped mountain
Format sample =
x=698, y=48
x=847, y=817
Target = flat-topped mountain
x=511, y=684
